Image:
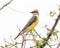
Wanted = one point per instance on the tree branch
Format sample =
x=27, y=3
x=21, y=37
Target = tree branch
x=6, y=4
x=51, y=32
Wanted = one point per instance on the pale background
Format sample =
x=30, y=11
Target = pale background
x=18, y=13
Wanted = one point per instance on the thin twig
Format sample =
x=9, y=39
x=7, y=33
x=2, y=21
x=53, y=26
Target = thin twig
x=23, y=41
x=6, y=4
x=58, y=45
x=49, y=45
x=37, y=33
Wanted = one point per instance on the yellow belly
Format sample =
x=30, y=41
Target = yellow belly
x=32, y=25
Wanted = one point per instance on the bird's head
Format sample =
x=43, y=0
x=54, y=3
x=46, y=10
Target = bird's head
x=35, y=12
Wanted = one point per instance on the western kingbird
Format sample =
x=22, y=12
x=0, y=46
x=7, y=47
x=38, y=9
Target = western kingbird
x=31, y=23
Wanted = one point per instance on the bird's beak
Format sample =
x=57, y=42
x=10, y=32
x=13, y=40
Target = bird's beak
x=31, y=12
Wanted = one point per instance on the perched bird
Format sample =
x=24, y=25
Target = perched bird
x=31, y=23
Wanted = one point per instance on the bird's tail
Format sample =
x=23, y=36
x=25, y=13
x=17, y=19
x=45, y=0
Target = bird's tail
x=17, y=36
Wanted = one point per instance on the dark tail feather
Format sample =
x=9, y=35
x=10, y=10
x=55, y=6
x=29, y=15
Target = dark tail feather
x=17, y=36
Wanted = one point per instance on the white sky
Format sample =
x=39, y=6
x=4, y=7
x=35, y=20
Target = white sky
x=18, y=13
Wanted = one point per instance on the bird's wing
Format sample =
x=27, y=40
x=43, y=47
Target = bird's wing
x=32, y=20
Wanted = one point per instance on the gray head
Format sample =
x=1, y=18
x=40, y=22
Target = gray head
x=35, y=12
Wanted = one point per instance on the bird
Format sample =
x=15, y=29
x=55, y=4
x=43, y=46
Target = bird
x=33, y=21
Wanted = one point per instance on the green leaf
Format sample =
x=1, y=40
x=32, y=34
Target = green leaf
x=59, y=7
x=52, y=13
x=6, y=46
x=1, y=46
